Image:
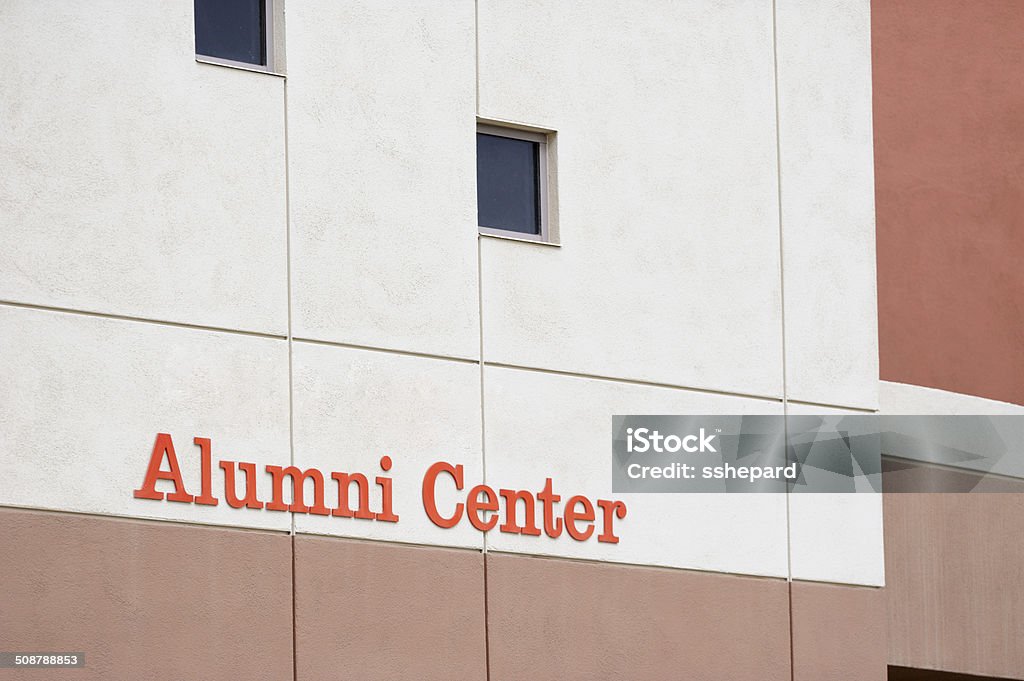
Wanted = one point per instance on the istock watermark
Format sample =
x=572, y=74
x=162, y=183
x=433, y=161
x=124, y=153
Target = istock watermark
x=862, y=453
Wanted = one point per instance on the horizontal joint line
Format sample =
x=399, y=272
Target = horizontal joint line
x=142, y=320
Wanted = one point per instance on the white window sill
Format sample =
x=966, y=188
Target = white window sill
x=241, y=66
x=521, y=239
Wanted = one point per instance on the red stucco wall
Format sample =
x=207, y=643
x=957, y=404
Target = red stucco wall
x=949, y=174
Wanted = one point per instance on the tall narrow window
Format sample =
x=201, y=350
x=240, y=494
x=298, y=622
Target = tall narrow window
x=511, y=182
x=233, y=31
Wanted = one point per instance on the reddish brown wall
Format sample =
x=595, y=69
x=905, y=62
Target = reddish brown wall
x=368, y=610
x=954, y=569
x=949, y=178
x=144, y=600
x=560, y=619
x=839, y=633
x=154, y=600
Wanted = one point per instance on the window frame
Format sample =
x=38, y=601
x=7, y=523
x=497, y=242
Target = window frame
x=542, y=139
x=270, y=20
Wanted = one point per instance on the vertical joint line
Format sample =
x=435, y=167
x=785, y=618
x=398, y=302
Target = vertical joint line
x=782, y=305
x=487, y=633
x=480, y=320
x=483, y=449
x=778, y=178
x=782, y=263
x=288, y=289
x=291, y=419
x=295, y=658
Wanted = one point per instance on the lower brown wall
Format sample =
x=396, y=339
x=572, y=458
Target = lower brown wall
x=156, y=600
x=561, y=619
x=368, y=610
x=954, y=566
x=839, y=632
x=144, y=600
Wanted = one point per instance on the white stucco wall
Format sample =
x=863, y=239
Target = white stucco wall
x=354, y=406
x=540, y=425
x=337, y=205
x=382, y=171
x=828, y=201
x=836, y=537
x=667, y=192
x=900, y=398
x=136, y=181
x=84, y=397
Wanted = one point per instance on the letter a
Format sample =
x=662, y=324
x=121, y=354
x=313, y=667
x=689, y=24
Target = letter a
x=163, y=445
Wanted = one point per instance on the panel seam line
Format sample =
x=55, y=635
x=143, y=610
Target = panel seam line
x=291, y=375
x=782, y=315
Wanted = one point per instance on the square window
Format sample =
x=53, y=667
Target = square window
x=511, y=182
x=233, y=30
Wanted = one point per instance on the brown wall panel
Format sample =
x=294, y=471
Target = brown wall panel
x=838, y=633
x=954, y=566
x=369, y=610
x=949, y=179
x=144, y=600
x=559, y=619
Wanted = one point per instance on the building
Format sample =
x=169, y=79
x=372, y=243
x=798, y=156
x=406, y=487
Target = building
x=746, y=207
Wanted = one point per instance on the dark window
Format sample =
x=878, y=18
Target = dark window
x=508, y=183
x=232, y=29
